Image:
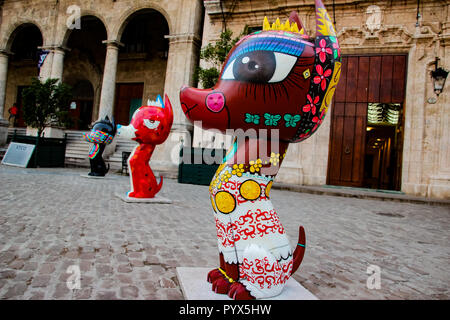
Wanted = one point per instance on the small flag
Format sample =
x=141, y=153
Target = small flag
x=42, y=55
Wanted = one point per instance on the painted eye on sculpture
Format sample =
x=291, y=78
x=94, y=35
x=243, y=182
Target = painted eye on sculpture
x=260, y=67
x=151, y=124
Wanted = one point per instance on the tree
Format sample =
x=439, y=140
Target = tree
x=46, y=103
x=215, y=54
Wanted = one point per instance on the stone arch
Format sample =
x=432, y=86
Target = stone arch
x=14, y=30
x=84, y=14
x=118, y=30
x=86, y=54
x=142, y=61
x=85, y=72
x=24, y=39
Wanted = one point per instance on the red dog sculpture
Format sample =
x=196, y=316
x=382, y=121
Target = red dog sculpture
x=281, y=81
x=149, y=126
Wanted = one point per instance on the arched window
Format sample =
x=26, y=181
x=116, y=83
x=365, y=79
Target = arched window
x=26, y=40
x=145, y=33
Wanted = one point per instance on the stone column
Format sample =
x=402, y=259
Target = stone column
x=184, y=49
x=57, y=63
x=109, y=79
x=46, y=69
x=3, y=77
x=182, y=61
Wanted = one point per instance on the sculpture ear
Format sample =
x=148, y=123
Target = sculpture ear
x=326, y=38
x=160, y=100
x=325, y=72
x=114, y=126
x=168, y=111
x=324, y=26
x=294, y=18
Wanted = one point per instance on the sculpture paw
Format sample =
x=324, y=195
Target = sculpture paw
x=221, y=285
x=239, y=292
x=95, y=174
x=213, y=275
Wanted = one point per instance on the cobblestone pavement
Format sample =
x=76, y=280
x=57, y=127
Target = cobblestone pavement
x=51, y=219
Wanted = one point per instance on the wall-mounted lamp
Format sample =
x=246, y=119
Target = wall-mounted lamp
x=439, y=76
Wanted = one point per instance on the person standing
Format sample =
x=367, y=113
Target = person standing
x=13, y=111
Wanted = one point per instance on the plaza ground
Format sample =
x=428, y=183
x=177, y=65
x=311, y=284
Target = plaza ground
x=51, y=219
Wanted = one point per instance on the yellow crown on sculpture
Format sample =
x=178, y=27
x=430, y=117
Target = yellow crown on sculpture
x=277, y=25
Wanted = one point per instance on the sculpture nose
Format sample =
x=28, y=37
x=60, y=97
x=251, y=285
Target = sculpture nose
x=215, y=101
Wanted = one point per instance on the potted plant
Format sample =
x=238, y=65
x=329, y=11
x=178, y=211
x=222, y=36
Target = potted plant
x=45, y=105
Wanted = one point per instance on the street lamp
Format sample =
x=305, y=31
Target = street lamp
x=439, y=76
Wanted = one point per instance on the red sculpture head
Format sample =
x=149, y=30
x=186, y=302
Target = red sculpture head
x=150, y=124
x=277, y=78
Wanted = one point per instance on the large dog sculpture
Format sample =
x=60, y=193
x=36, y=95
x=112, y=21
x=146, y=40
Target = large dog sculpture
x=278, y=78
x=102, y=134
x=149, y=126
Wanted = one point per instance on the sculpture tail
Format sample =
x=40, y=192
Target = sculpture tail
x=299, y=250
x=158, y=188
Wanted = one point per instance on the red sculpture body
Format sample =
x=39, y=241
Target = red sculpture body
x=149, y=126
x=277, y=81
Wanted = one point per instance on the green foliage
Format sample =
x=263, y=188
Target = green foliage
x=46, y=103
x=208, y=77
x=215, y=54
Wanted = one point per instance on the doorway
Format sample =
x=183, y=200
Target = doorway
x=19, y=121
x=128, y=96
x=382, y=157
x=81, y=106
x=366, y=137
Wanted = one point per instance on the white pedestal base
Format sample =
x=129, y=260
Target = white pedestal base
x=195, y=287
x=156, y=199
x=96, y=177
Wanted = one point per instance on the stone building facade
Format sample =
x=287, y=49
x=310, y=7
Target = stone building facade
x=410, y=31
x=144, y=47
x=112, y=64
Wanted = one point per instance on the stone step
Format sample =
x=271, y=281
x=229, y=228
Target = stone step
x=71, y=154
x=78, y=148
x=78, y=144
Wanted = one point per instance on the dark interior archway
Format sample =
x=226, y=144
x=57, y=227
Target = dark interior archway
x=144, y=33
x=23, y=65
x=142, y=61
x=83, y=68
x=25, y=42
x=88, y=40
x=81, y=105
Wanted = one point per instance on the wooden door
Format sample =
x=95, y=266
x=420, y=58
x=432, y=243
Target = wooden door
x=364, y=79
x=125, y=94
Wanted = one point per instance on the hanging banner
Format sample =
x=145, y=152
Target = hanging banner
x=42, y=55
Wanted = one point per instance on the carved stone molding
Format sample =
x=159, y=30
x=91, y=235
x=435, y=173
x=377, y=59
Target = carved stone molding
x=212, y=7
x=184, y=38
x=389, y=36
